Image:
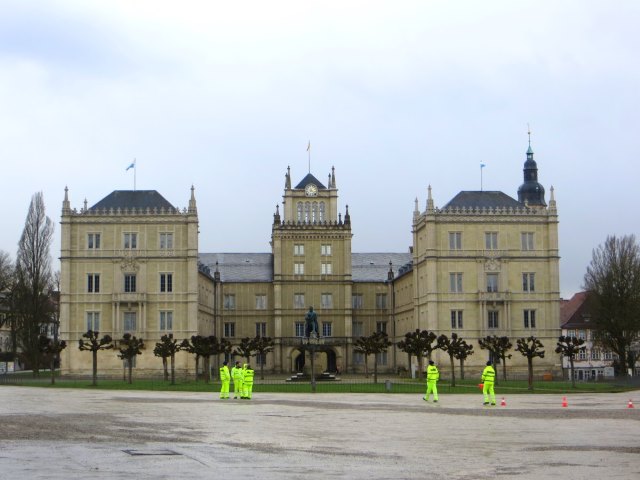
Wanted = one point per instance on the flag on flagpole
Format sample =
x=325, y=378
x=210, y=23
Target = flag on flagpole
x=482, y=165
x=133, y=164
x=309, y=146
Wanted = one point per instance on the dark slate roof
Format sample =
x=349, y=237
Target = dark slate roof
x=374, y=267
x=133, y=199
x=574, y=312
x=240, y=267
x=482, y=199
x=310, y=179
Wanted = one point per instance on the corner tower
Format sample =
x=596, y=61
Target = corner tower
x=531, y=192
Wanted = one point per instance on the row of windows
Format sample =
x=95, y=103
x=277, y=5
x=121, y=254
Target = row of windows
x=326, y=301
x=298, y=250
x=491, y=241
x=493, y=319
x=299, y=329
x=130, y=283
x=326, y=268
x=492, y=282
x=130, y=241
x=357, y=301
x=310, y=212
x=129, y=323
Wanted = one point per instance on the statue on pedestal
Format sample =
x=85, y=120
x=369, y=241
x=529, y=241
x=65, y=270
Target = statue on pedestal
x=311, y=323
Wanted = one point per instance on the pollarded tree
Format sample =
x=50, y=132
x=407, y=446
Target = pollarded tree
x=94, y=345
x=51, y=348
x=498, y=346
x=454, y=346
x=531, y=348
x=464, y=350
x=570, y=347
x=613, y=285
x=167, y=348
x=130, y=347
x=245, y=349
x=262, y=346
x=204, y=347
x=377, y=342
x=419, y=343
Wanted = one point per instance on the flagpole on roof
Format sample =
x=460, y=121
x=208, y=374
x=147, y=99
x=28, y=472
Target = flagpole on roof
x=309, y=152
x=134, y=174
x=482, y=165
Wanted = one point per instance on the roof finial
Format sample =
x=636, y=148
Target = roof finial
x=192, y=201
x=529, y=133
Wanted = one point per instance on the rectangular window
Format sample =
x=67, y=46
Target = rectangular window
x=130, y=240
x=93, y=321
x=261, y=359
x=261, y=302
x=529, y=319
x=608, y=356
x=571, y=333
x=528, y=282
x=492, y=282
x=325, y=268
x=326, y=300
x=582, y=355
x=166, y=320
x=166, y=282
x=166, y=241
x=229, y=301
x=582, y=335
x=93, y=241
x=358, y=358
x=325, y=250
x=455, y=240
x=229, y=329
x=381, y=327
x=129, y=323
x=298, y=249
x=357, y=329
x=493, y=318
x=326, y=329
x=382, y=358
x=298, y=300
x=455, y=282
x=93, y=283
x=356, y=300
x=130, y=283
x=491, y=240
x=299, y=326
x=595, y=354
x=527, y=240
x=261, y=329
x=298, y=268
x=381, y=301
x=456, y=319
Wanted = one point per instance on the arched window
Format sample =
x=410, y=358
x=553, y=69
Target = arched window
x=307, y=211
x=321, y=217
x=299, y=211
x=314, y=212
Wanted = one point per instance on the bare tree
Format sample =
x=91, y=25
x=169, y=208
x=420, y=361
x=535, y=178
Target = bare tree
x=569, y=347
x=498, y=346
x=262, y=346
x=130, y=347
x=455, y=347
x=419, y=343
x=94, y=345
x=51, y=349
x=167, y=348
x=31, y=302
x=246, y=349
x=6, y=271
x=377, y=342
x=530, y=348
x=613, y=285
x=464, y=350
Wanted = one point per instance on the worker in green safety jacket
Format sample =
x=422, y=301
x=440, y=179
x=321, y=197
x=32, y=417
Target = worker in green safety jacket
x=247, y=381
x=225, y=378
x=433, y=375
x=236, y=375
x=489, y=379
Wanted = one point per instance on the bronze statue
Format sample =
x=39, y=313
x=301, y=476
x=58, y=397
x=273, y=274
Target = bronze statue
x=311, y=323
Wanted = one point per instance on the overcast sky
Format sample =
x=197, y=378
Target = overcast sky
x=397, y=95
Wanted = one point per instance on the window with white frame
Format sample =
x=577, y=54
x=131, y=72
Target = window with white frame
x=455, y=240
x=261, y=329
x=325, y=250
x=529, y=318
x=381, y=301
x=93, y=283
x=528, y=282
x=166, y=320
x=381, y=327
x=582, y=335
x=456, y=319
x=357, y=329
x=326, y=268
x=130, y=241
x=93, y=241
x=261, y=301
x=595, y=354
x=229, y=329
x=166, y=241
x=607, y=355
x=582, y=355
x=299, y=327
x=492, y=282
x=298, y=249
x=166, y=282
x=298, y=268
x=526, y=239
x=491, y=240
x=129, y=323
x=130, y=283
x=229, y=301
x=455, y=282
x=356, y=301
x=298, y=300
x=326, y=300
x=93, y=321
x=492, y=316
x=327, y=328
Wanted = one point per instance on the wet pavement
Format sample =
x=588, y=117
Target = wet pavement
x=68, y=434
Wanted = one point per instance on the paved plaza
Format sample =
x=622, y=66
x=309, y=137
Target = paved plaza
x=69, y=434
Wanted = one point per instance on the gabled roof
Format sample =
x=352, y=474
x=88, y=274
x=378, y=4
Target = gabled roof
x=481, y=199
x=374, y=267
x=310, y=179
x=138, y=199
x=574, y=312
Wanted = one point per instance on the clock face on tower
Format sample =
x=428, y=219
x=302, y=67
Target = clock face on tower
x=311, y=190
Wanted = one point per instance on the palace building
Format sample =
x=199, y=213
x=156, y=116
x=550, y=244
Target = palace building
x=483, y=264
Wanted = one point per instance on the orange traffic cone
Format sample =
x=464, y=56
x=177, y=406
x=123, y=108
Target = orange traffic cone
x=503, y=402
x=564, y=402
x=630, y=404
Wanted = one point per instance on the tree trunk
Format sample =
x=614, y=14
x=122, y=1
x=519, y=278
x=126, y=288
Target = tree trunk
x=53, y=369
x=530, y=368
x=573, y=377
x=375, y=368
x=262, y=357
x=130, y=369
x=164, y=369
x=95, y=368
x=173, y=369
x=366, y=367
x=453, y=371
x=504, y=368
x=461, y=369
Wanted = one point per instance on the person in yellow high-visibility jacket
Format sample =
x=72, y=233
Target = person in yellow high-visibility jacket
x=236, y=376
x=488, y=379
x=247, y=381
x=225, y=378
x=433, y=375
